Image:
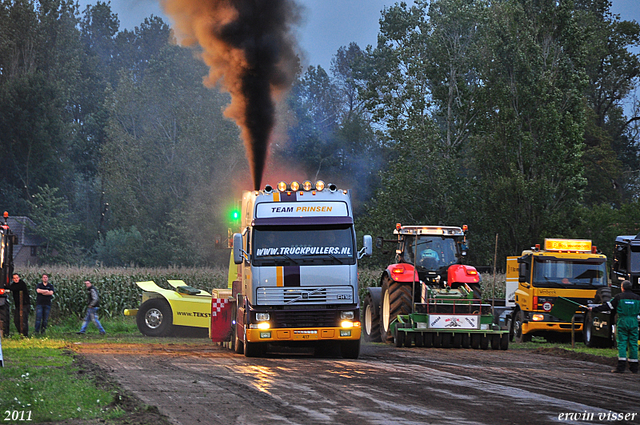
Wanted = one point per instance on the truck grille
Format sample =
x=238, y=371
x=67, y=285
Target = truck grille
x=304, y=319
x=305, y=295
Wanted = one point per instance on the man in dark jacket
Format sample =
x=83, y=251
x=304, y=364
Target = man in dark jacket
x=45, y=293
x=19, y=290
x=627, y=306
x=92, y=309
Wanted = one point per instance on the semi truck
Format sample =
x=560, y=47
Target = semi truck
x=599, y=327
x=568, y=268
x=296, y=277
x=428, y=296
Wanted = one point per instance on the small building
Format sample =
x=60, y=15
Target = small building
x=26, y=251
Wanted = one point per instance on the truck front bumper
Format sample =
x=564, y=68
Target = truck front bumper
x=304, y=334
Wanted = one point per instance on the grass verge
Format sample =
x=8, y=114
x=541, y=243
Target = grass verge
x=41, y=382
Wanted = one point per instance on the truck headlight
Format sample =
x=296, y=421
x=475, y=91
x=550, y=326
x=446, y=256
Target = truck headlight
x=263, y=325
x=537, y=317
x=349, y=315
x=262, y=317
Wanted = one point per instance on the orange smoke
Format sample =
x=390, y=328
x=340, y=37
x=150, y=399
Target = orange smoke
x=251, y=53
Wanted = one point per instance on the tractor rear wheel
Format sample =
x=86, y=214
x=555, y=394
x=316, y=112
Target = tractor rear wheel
x=396, y=299
x=371, y=320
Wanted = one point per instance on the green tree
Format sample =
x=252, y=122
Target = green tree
x=169, y=146
x=52, y=216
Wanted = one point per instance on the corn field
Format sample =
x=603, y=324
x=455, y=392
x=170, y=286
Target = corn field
x=118, y=290
x=116, y=286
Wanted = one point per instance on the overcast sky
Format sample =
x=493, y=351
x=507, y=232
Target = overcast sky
x=327, y=24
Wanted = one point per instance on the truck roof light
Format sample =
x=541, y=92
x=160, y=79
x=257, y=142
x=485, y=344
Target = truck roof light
x=282, y=186
x=465, y=228
x=537, y=247
x=398, y=226
x=295, y=186
x=594, y=249
x=268, y=189
x=332, y=187
x=307, y=186
x=319, y=185
x=6, y=214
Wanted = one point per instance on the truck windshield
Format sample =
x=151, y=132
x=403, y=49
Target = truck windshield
x=634, y=259
x=433, y=251
x=303, y=245
x=555, y=273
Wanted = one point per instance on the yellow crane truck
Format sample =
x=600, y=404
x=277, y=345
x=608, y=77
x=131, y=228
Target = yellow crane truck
x=568, y=268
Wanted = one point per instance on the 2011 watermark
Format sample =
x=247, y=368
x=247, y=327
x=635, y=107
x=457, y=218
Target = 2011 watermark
x=17, y=415
x=601, y=416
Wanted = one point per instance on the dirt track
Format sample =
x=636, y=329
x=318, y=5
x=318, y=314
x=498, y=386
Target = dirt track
x=204, y=383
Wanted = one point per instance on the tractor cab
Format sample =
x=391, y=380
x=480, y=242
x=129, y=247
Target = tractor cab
x=432, y=249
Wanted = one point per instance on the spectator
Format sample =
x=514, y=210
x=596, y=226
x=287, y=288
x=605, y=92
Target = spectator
x=92, y=309
x=43, y=303
x=19, y=289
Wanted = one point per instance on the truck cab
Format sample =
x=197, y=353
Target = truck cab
x=296, y=279
x=626, y=262
x=568, y=268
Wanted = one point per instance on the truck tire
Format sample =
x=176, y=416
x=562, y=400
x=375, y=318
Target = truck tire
x=371, y=320
x=589, y=339
x=155, y=318
x=253, y=349
x=517, y=328
x=602, y=295
x=396, y=299
x=350, y=349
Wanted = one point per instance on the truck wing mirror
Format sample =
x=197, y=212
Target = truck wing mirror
x=237, y=248
x=522, y=272
x=367, y=249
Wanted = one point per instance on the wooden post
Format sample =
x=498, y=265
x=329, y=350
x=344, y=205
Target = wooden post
x=21, y=307
x=573, y=333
